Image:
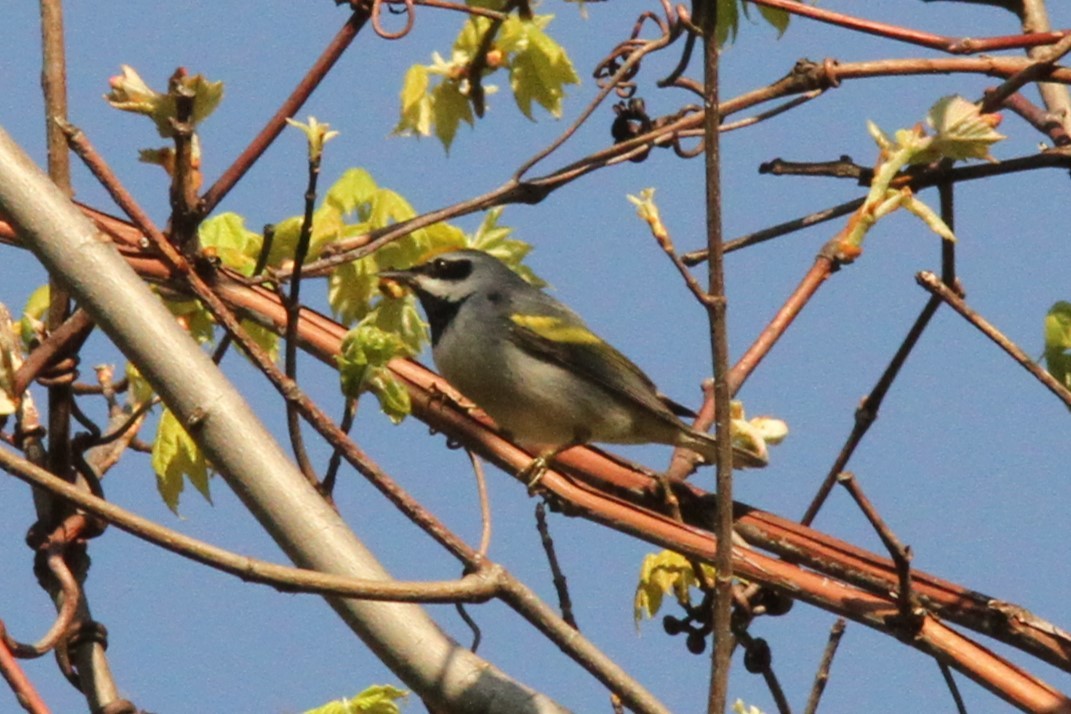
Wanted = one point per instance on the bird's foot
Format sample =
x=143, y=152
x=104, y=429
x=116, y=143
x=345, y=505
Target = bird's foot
x=533, y=473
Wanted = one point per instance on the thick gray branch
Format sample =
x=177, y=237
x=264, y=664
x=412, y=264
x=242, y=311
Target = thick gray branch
x=235, y=441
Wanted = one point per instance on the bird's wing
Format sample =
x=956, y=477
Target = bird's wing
x=564, y=340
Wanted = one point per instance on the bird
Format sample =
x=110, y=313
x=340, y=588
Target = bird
x=534, y=366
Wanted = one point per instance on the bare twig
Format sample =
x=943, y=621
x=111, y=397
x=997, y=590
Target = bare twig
x=953, y=688
x=719, y=345
x=867, y=412
x=349, y=413
x=821, y=677
x=293, y=308
x=758, y=659
x=565, y=603
x=475, y=588
x=933, y=284
x=16, y=678
x=1046, y=122
x=823, y=266
x=485, y=506
x=952, y=45
x=289, y=108
x=910, y=612
x=62, y=342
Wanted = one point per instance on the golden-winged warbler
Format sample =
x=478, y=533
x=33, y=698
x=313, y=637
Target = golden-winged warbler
x=533, y=365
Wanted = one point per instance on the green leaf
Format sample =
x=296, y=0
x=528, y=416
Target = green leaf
x=351, y=288
x=470, y=38
x=194, y=318
x=140, y=391
x=316, y=135
x=442, y=237
x=393, y=397
x=236, y=246
x=352, y=193
x=540, y=68
x=265, y=338
x=362, y=367
x=327, y=226
x=415, y=115
x=450, y=108
x=130, y=93
x=175, y=458
x=32, y=324
x=400, y=317
x=495, y=239
x=10, y=361
x=377, y=699
x=776, y=17
x=728, y=21
x=1058, y=342
x=962, y=131
x=662, y=573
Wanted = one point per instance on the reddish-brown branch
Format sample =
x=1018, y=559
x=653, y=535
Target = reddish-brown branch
x=61, y=343
x=1045, y=122
x=823, y=267
x=845, y=579
x=953, y=45
x=20, y=684
x=288, y=109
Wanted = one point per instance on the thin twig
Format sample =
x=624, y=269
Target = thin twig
x=933, y=284
x=293, y=309
x=54, y=86
x=821, y=677
x=478, y=587
x=775, y=111
x=63, y=342
x=1044, y=62
x=910, y=612
x=953, y=688
x=288, y=109
x=1046, y=122
x=916, y=37
x=867, y=412
x=186, y=176
x=485, y=505
x=16, y=678
x=823, y=266
x=759, y=660
x=565, y=603
x=349, y=414
x=721, y=658
x=477, y=633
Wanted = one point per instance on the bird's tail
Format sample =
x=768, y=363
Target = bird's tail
x=706, y=446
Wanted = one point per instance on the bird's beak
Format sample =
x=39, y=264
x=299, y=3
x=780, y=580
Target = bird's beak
x=393, y=282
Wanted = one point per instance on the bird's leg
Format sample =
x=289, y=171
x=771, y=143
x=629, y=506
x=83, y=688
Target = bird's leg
x=533, y=472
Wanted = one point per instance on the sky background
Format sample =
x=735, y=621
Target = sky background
x=967, y=463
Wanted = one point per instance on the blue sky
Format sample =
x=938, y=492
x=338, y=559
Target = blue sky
x=967, y=462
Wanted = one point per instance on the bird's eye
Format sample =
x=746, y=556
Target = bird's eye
x=450, y=269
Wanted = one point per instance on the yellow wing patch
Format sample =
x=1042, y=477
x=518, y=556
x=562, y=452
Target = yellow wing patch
x=553, y=329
